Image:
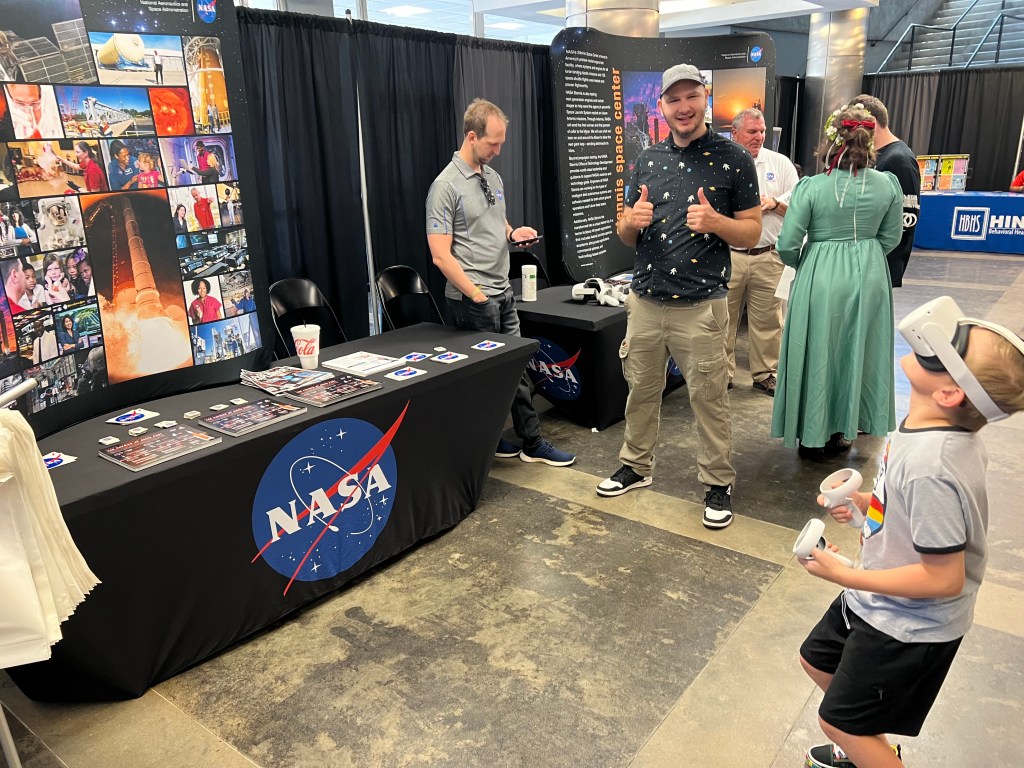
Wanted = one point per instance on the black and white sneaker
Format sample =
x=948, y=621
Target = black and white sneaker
x=831, y=756
x=718, y=506
x=626, y=479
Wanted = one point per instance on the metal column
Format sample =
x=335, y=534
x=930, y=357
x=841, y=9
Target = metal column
x=628, y=18
x=835, y=74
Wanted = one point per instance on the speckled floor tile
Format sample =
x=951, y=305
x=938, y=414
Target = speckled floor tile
x=534, y=619
x=976, y=718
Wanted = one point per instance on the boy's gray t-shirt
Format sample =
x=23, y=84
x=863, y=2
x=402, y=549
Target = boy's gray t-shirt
x=929, y=498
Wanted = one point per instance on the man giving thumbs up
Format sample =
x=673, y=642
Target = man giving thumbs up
x=691, y=197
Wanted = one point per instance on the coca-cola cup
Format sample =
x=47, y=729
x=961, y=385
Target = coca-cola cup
x=307, y=344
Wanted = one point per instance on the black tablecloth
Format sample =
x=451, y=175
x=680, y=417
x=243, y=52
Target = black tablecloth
x=178, y=546
x=577, y=367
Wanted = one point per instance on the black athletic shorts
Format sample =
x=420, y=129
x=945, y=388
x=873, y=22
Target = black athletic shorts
x=880, y=685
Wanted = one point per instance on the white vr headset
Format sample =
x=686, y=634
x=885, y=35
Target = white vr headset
x=598, y=290
x=938, y=332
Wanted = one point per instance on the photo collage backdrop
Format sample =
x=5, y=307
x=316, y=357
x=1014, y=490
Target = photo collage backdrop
x=123, y=251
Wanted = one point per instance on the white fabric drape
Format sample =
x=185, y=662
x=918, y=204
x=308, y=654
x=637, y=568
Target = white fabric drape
x=43, y=576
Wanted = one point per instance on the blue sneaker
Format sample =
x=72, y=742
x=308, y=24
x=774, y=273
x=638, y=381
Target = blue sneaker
x=547, y=453
x=506, y=450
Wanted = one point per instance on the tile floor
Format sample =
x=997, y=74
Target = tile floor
x=557, y=628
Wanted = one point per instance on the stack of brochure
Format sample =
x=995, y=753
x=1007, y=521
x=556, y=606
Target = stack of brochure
x=284, y=378
x=340, y=388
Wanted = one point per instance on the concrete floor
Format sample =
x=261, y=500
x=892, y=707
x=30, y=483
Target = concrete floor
x=557, y=628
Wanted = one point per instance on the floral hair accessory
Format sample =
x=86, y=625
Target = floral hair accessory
x=831, y=130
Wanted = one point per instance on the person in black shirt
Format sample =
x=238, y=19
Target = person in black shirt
x=690, y=198
x=896, y=157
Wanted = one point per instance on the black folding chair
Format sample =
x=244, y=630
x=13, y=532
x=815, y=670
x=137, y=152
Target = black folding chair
x=405, y=299
x=295, y=301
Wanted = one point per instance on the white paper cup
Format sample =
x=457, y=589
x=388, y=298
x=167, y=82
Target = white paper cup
x=307, y=344
x=529, y=282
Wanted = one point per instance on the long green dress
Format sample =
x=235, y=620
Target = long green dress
x=836, y=368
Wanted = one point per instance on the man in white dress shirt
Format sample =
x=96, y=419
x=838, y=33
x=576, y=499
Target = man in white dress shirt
x=756, y=271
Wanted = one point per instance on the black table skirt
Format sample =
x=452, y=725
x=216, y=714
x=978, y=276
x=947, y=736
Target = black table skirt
x=175, y=546
x=577, y=367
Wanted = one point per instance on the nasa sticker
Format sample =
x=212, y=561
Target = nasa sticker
x=55, y=459
x=415, y=357
x=405, y=373
x=770, y=175
x=449, y=357
x=132, y=416
x=553, y=371
x=325, y=498
x=489, y=345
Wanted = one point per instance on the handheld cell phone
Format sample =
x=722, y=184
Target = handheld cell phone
x=527, y=241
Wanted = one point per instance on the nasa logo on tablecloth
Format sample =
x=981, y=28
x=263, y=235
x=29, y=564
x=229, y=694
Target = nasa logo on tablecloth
x=553, y=371
x=207, y=10
x=325, y=498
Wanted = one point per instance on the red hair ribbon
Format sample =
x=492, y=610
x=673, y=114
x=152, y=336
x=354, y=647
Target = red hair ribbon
x=858, y=124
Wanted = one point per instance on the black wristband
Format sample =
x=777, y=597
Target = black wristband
x=510, y=236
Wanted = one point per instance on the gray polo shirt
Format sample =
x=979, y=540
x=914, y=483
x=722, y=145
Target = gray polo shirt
x=457, y=206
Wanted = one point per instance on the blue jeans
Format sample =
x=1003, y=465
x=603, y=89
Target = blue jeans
x=498, y=315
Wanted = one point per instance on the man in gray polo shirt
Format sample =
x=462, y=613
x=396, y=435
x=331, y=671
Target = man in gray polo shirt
x=469, y=238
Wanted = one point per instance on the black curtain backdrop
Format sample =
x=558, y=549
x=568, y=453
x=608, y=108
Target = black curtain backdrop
x=910, y=99
x=406, y=89
x=302, y=107
x=303, y=77
x=974, y=111
x=551, y=194
x=504, y=75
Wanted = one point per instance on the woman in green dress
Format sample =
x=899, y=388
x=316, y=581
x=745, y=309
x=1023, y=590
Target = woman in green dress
x=836, y=368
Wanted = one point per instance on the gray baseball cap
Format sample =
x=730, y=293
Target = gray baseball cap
x=679, y=73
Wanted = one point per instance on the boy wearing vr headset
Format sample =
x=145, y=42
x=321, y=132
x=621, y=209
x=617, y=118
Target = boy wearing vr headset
x=882, y=650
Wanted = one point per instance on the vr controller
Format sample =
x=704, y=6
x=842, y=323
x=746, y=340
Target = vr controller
x=811, y=536
x=597, y=289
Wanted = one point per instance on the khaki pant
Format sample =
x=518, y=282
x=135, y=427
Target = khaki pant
x=695, y=338
x=755, y=278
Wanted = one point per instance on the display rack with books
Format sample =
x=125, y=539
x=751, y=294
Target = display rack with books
x=943, y=172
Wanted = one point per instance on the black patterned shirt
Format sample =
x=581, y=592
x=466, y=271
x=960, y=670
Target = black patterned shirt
x=673, y=262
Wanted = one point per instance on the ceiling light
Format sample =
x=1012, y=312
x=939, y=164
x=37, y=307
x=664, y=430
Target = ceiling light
x=405, y=11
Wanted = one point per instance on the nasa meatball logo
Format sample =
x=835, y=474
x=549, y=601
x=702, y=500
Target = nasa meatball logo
x=207, y=10
x=770, y=176
x=755, y=53
x=325, y=498
x=553, y=371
